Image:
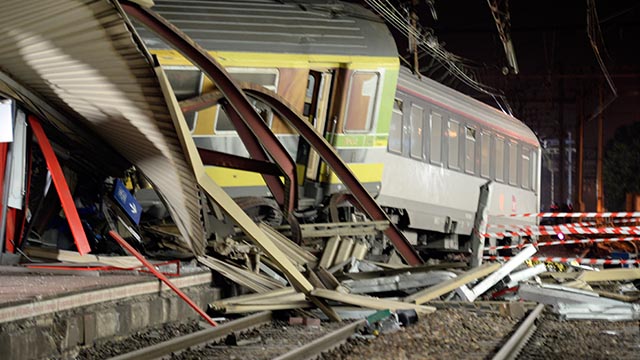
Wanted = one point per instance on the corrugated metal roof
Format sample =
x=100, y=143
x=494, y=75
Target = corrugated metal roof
x=297, y=27
x=80, y=57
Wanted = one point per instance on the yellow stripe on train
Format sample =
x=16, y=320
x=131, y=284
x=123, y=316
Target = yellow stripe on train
x=245, y=59
x=225, y=177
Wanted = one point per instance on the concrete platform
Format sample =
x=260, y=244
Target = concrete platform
x=53, y=316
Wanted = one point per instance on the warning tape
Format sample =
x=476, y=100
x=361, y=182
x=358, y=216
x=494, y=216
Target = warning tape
x=562, y=242
x=586, y=261
x=576, y=214
x=517, y=227
x=554, y=230
x=573, y=224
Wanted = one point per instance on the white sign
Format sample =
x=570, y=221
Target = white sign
x=6, y=123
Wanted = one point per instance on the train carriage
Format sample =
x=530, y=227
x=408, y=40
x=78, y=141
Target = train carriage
x=421, y=148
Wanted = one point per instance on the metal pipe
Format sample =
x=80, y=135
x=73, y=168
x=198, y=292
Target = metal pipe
x=161, y=277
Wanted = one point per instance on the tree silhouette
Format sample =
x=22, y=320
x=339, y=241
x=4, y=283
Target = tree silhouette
x=621, y=168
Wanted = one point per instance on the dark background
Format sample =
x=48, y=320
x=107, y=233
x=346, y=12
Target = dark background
x=559, y=81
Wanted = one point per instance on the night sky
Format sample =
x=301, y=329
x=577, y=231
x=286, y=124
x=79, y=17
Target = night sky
x=559, y=77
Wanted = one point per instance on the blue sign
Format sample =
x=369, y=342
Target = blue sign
x=127, y=202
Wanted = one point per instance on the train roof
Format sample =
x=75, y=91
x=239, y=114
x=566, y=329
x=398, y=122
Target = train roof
x=466, y=106
x=270, y=26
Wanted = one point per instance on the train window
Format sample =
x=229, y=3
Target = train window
x=470, y=149
x=308, y=97
x=454, y=143
x=265, y=77
x=513, y=163
x=361, y=101
x=435, y=133
x=395, y=128
x=186, y=84
x=416, y=131
x=526, y=167
x=485, y=154
x=499, y=158
x=534, y=170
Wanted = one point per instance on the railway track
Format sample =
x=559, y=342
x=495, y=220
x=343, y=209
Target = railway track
x=255, y=336
x=523, y=333
x=544, y=336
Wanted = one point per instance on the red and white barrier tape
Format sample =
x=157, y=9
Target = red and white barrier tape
x=585, y=261
x=562, y=242
x=518, y=227
x=554, y=230
x=576, y=214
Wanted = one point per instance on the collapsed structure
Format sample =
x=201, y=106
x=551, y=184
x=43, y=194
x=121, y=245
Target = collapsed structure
x=107, y=105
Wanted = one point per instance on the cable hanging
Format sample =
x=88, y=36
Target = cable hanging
x=428, y=42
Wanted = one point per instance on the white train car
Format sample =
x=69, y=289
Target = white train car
x=444, y=145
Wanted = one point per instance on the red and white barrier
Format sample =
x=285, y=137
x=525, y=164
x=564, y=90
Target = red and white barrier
x=555, y=229
x=576, y=224
x=563, y=242
x=576, y=214
x=584, y=261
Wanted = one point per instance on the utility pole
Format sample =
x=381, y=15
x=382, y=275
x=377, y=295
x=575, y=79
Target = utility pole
x=599, y=188
x=561, y=145
x=579, y=201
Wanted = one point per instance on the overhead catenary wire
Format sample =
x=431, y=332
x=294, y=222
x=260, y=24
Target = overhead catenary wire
x=595, y=37
x=430, y=45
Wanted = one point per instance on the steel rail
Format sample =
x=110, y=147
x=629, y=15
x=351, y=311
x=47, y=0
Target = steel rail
x=235, y=97
x=322, y=344
x=520, y=337
x=197, y=338
x=328, y=154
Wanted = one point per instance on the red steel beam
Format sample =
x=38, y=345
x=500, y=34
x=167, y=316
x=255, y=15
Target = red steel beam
x=256, y=152
x=216, y=158
x=60, y=183
x=246, y=135
x=161, y=276
x=237, y=99
x=328, y=154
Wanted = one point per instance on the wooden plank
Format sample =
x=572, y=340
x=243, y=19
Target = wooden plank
x=329, y=281
x=371, y=302
x=602, y=275
x=242, y=308
x=238, y=275
x=289, y=246
x=444, y=287
x=124, y=262
x=252, y=297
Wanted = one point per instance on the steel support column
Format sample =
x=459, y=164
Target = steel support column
x=216, y=158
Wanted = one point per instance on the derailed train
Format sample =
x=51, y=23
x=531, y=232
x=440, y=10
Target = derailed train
x=421, y=148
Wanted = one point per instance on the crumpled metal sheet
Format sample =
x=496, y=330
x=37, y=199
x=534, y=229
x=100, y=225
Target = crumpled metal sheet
x=82, y=59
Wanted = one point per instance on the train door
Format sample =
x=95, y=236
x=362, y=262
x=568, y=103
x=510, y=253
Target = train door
x=316, y=107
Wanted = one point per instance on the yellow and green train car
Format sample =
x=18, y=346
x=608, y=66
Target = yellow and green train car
x=335, y=63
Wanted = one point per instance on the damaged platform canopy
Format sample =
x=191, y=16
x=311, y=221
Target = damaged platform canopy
x=78, y=63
